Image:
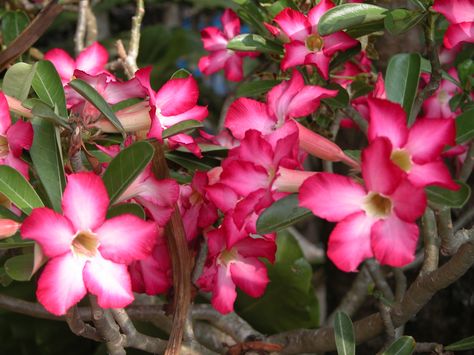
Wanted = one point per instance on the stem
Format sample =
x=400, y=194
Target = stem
x=81, y=26
x=357, y=118
x=468, y=164
x=431, y=242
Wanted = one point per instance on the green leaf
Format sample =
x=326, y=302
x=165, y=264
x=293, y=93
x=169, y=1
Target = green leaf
x=181, y=127
x=91, y=95
x=181, y=74
x=47, y=85
x=341, y=100
x=464, y=344
x=256, y=88
x=18, y=79
x=19, y=267
x=282, y=214
x=344, y=333
x=449, y=198
x=354, y=154
x=465, y=126
x=373, y=28
x=404, y=345
x=15, y=242
x=251, y=14
x=19, y=191
x=44, y=111
x=401, y=80
x=6, y=213
x=123, y=208
x=252, y=42
x=466, y=72
x=399, y=21
x=346, y=16
x=344, y=56
x=47, y=160
x=190, y=162
x=426, y=68
x=289, y=301
x=278, y=6
x=125, y=168
x=13, y=23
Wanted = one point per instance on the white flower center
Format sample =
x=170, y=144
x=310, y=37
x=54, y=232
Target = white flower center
x=85, y=244
x=376, y=205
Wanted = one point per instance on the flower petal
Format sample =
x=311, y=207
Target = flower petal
x=387, y=119
x=20, y=136
x=456, y=11
x=317, y=11
x=63, y=63
x=85, y=201
x=379, y=172
x=331, y=196
x=126, y=238
x=320, y=61
x=409, y=202
x=224, y=294
x=233, y=68
x=214, y=62
x=295, y=54
x=433, y=173
x=349, y=242
x=213, y=39
x=339, y=41
x=394, y=241
x=428, y=137
x=5, y=119
x=294, y=24
x=92, y=59
x=231, y=23
x=458, y=33
x=61, y=285
x=245, y=114
x=109, y=281
x=116, y=91
x=53, y=232
x=177, y=96
x=250, y=275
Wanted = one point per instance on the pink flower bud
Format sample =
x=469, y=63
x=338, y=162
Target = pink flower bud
x=8, y=227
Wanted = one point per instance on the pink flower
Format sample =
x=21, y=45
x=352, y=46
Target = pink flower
x=87, y=252
x=306, y=46
x=437, y=106
x=174, y=102
x=459, y=14
x=232, y=264
x=13, y=139
x=215, y=41
x=415, y=150
x=91, y=60
x=375, y=220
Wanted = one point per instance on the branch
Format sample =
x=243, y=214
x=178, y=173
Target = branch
x=468, y=164
x=420, y=292
x=430, y=241
x=30, y=34
x=357, y=118
x=379, y=279
x=79, y=327
x=81, y=26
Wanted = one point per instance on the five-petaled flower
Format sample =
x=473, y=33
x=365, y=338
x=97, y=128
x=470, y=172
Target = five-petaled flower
x=87, y=252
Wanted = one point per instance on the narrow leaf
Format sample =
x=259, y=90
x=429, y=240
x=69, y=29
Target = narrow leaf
x=256, y=88
x=464, y=344
x=42, y=110
x=449, y=198
x=18, y=79
x=399, y=21
x=47, y=85
x=346, y=16
x=48, y=161
x=282, y=214
x=181, y=127
x=19, y=191
x=401, y=79
x=19, y=267
x=91, y=95
x=404, y=345
x=465, y=126
x=124, y=208
x=125, y=168
x=181, y=74
x=253, y=42
x=344, y=333
x=190, y=162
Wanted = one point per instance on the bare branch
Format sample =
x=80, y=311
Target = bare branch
x=379, y=279
x=431, y=242
x=81, y=26
x=79, y=327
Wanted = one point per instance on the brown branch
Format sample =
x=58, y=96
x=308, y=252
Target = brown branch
x=81, y=27
x=30, y=34
x=79, y=327
x=468, y=164
x=180, y=260
x=431, y=242
x=379, y=279
x=419, y=293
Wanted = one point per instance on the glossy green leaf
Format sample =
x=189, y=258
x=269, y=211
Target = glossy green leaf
x=371, y=28
x=346, y=16
x=255, y=88
x=341, y=100
x=465, y=126
x=402, y=78
x=344, y=56
x=252, y=42
x=13, y=23
x=404, y=345
x=19, y=267
x=47, y=85
x=344, y=333
x=276, y=7
x=289, y=301
x=18, y=79
x=47, y=160
x=252, y=14
x=464, y=344
x=399, y=21
x=181, y=74
x=426, y=68
x=7, y=213
x=449, y=198
x=125, y=168
x=190, y=162
x=18, y=190
x=91, y=95
x=282, y=214
x=123, y=208
x=180, y=127
x=42, y=110
x=15, y=242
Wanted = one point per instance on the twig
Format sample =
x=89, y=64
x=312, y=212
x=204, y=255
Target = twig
x=356, y=296
x=431, y=242
x=80, y=34
x=435, y=78
x=387, y=322
x=419, y=293
x=333, y=129
x=200, y=261
x=108, y=328
x=31, y=34
x=379, y=279
x=464, y=219
x=400, y=284
x=91, y=23
x=357, y=118
x=468, y=164
x=445, y=230
x=211, y=337
x=433, y=348
x=79, y=327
